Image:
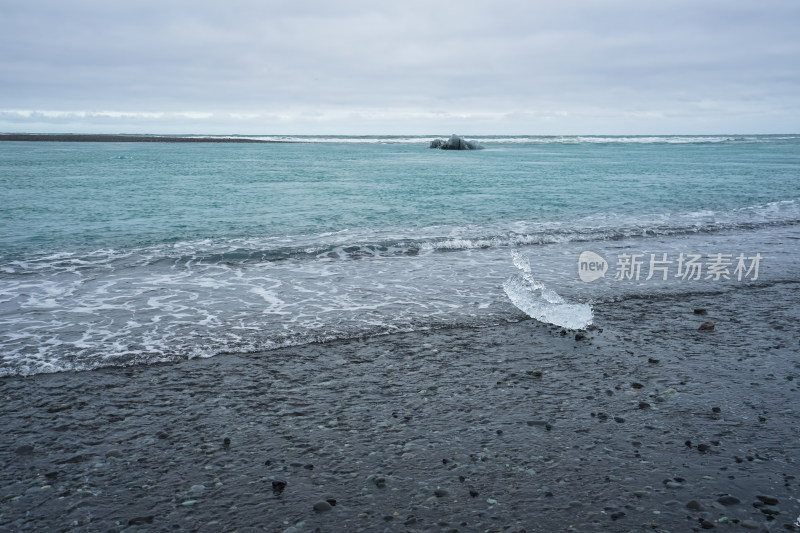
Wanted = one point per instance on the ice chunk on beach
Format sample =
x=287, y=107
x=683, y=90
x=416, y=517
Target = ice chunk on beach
x=541, y=303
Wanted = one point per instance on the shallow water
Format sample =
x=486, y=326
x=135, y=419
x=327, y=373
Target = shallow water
x=114, y=254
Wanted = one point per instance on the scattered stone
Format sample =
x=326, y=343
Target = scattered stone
x=617, y=515
x=716, y=409
x=728, y=500
x=619, y=419
x=116, y=454
x=705, y=524
x=331, y=501
x=673, y=485
x=322, y=506
x=641, y=493
x=702, y=448
x=637, y=386
x=750, y=524
x=491, y=501
x=226, y=443
x=700, y=311
x=25, y=449
x=278, y=486
x=141, y=520
x=769, y=500
x=440, y=493
x=694, y=505
x=473, y=493
x=653, y=361
x=644, y=405
x=197, y=489
x=189, y=503
x=706, y=326
x=308, y=467
x=579, y=336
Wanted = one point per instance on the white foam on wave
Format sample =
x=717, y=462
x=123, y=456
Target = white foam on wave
x=512, y=139
x=542, y=303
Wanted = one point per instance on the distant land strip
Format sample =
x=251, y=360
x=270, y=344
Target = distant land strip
x=100, y=138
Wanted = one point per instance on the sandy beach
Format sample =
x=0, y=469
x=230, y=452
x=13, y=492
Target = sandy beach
x=515, y=427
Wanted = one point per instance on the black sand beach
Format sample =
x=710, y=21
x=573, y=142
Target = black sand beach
x=643, y=423
x=96, y=138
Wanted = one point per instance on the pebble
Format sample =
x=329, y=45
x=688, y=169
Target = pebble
x=278, y=486
x=141, y=520
x=769, y=500
x=491, y=501
x=750, y=524
x=197, y=489
x=706, y=326
x=440, y=493
x=694, y=505
x=322, y=506
x=705, y=524
x=25, y=449
x=729, y=500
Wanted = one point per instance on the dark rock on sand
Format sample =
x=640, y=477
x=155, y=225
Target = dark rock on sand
x=278, y=486
x=728, y=500
x=705, y=524
x=750, y=524
x=694, y=505
x=455, y=142
x=141, y=520
x=768, y=500
x=440, y=493
x=700, y=311
x=25, y=449
x=706, y=326
x=322, y=506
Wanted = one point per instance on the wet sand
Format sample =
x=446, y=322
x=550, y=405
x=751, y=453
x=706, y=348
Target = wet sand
x=643, y=423
x=96, y=138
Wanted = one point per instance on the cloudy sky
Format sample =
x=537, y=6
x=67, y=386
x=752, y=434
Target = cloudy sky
x=400, y=67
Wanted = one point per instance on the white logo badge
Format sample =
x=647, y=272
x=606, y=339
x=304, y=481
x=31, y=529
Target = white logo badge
x=591, y=266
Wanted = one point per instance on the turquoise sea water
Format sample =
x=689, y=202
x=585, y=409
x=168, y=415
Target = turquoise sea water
x=122, y=253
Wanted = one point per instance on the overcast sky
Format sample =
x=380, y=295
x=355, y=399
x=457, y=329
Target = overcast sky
x=400, y=67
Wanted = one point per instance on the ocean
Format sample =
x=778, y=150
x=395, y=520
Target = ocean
x=120, y=254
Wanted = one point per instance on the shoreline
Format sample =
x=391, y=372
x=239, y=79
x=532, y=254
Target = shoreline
x=80, y=137
x=506, y=428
